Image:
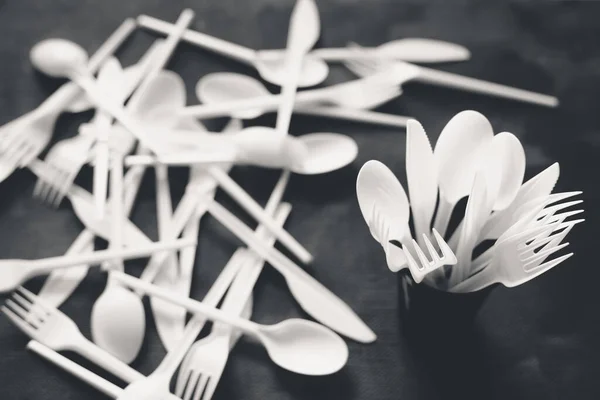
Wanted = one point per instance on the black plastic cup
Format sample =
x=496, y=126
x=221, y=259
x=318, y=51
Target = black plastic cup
x=440, y=329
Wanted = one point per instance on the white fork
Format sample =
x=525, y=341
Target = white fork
x=201, y=370
x=64, y=161
x=425, y=266
x=55, y=330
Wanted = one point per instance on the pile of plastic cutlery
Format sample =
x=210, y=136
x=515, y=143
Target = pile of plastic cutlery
x=526, y=221
x=142, y=120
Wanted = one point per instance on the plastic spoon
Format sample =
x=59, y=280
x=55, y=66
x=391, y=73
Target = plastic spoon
x=384, y=206
x=298, y=345
x=314, y=70
x=225, y=87
x=504, y=168
x=411, y=50
x=313, y=153
x=458, y=155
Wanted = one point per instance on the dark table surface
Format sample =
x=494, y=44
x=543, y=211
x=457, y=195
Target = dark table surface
x=541, y=340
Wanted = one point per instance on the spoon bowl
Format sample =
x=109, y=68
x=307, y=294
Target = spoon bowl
x=221, y=87
x=58, y=57
x=505, y=169
x=314, y=70
x=325, y=152
x=118, y=322
x=304, y=347
x=458, y=155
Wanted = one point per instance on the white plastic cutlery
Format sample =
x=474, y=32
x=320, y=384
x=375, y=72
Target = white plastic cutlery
x=384, y=206
x=303, y=33
x=15, y=272
x=422, y=179
x=479, y=207
x=314, y=70
x=99, y=383
x=96, y=381
x=310, y=154
x=364, y=93
x=52, y=328
x=297, y=345
x=458, y=154
x=226, y=87
x=407, y=72
x=540, y=185
x=415, y=50
x=204, y=363
x=313, y=297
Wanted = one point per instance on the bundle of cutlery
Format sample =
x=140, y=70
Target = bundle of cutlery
x=525, y=221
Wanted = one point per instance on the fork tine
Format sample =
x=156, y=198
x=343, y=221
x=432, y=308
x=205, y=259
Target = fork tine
x=448, y=255
x=34, y=299
x=541, y=255
x=557, y=207
x=432, y=251
x=191, y=385
x=20, y=311
x=563, y=216
x=19, y=322
x=540, y=269
x=412, y=263
x=210, y=389
x=35, y=316
x=184, y=375
x=422, y=257
x=201, y=386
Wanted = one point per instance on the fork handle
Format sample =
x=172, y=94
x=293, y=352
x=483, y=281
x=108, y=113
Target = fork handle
x=475, y=282
x=75, y=369
x=105, y=360
x=455, y=81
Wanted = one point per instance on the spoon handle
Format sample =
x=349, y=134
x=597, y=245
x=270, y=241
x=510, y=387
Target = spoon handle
x=344, y=54
x=455, y=81
x=194, y=306
x=45, y=265
x=347, y=114
x=223, y=47
x=75, y=369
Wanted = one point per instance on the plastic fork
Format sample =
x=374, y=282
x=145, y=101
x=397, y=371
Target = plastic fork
x=202, y=368
x=366, y=67
x=52, y=328
x=520, y=258
x=432, y=262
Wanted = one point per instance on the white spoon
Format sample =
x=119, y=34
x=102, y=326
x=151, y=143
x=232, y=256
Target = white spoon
x=458, y=155
x=314, y=70
x=310, y=154
x=410, y=50
x=503, y=168
x=298, y=345
x=227, y=87
x=384, y=206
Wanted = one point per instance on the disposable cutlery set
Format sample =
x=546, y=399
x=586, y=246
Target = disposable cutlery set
x=142, y=120
x=527, y=223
